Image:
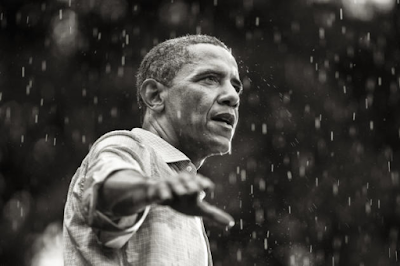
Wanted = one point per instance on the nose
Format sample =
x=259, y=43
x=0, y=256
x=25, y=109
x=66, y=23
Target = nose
x=229, y=96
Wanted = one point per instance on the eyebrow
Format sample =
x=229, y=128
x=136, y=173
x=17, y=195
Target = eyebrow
x=205, y=72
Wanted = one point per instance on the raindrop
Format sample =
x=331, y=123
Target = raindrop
x=60, y=14
x=317, y=123
x=239, y=252
x=371, y=125
x=114, y=112
x=367, y=208
x=302, y=171
x=289, y=175
x=316, y=181
x=54, y=141
x=243, y=175
x=321, y=33
x=257, y=21
x=261, y=185
x=335, y=189
x=272, y=165
x=260, y=216
x=341, y=14
x=23, y=71
x=44, y=65
x=232, y=178
x=331, y=135
x=264, y=128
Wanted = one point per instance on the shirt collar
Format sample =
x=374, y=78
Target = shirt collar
x=168, y=153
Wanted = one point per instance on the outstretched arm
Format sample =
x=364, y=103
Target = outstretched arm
x=126, y=192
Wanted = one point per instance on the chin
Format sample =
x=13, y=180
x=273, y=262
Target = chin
x=220, y=147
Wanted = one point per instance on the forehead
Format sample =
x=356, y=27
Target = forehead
x=209, y=55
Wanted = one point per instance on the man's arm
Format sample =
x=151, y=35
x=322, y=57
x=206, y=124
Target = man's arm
x=126, y=192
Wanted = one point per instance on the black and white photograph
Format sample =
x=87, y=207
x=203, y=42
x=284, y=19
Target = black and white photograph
x=200, y=133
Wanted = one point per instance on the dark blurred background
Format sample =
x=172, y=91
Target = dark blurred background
x=313, y=178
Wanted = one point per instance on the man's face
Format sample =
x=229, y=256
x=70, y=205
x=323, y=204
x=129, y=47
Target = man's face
x=203, y=102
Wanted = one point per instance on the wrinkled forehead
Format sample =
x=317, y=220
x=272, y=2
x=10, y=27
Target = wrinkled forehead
x=210, y=54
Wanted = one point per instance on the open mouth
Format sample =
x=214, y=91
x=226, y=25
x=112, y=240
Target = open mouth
x=226, y=118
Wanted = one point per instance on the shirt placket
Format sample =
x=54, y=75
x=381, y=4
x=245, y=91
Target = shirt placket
x=187, y=166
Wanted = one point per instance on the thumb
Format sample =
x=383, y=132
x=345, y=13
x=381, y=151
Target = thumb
x=215, y=214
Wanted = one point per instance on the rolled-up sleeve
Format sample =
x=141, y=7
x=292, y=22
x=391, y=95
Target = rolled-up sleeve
x=109, y=155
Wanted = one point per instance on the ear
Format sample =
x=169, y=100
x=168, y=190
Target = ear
x=151, y=93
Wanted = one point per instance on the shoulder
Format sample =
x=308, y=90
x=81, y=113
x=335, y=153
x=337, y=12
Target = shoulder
x=122, y=138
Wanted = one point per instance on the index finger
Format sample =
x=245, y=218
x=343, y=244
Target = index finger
x=221, y=217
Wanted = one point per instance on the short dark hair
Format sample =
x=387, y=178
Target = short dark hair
x=164, y=60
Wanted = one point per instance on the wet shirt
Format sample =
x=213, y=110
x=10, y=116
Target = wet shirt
x=157, y=236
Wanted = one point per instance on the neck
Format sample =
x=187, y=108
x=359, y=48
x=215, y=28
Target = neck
x=169, y=136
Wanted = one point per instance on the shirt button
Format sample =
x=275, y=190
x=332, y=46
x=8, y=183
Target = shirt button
x=189, y=169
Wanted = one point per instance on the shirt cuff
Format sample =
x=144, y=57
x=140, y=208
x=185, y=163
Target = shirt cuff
x=91, y=193
x=117, y=239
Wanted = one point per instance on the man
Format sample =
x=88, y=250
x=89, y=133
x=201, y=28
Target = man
x=137, y=197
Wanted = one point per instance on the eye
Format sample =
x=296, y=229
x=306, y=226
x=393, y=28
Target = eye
x=211, y=79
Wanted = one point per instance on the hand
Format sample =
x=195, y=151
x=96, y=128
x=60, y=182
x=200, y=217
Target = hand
x=182, y=193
